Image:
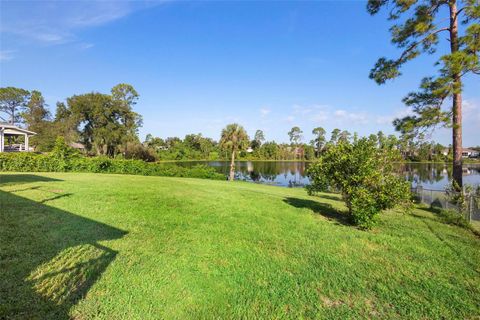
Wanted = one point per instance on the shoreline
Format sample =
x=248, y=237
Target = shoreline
x=257, y=160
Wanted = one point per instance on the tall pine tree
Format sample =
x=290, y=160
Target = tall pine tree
x=418, y=25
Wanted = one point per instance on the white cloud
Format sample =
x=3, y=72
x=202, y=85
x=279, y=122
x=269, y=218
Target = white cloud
x=320, y=116
x=347, y=117
x=398, y=114
x=107, y=12
x=56, y=22
x=264, y=112
x=85, y=45
x=471, y=111
x=51, y=37
x=471, y=122
x=384, y=119
x=302, y=110
x=6, y=55
x=324, y=113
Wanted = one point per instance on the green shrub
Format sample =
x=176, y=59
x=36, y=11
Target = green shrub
x=67, y=161
x=364, y=208
x=364, y=175
x=62, y=155
x=452, y=217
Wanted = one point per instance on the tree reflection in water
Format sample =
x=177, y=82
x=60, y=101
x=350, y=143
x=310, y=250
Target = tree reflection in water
x=293, y=174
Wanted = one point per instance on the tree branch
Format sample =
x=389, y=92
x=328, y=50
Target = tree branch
x=415, y=44
x=459, y=11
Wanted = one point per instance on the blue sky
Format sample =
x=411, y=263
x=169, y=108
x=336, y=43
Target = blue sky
x=201, y=65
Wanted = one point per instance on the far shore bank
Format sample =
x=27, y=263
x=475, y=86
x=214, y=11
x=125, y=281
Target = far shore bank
x=469, y=161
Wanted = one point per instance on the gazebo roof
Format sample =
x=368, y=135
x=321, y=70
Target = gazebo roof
x=7, y=128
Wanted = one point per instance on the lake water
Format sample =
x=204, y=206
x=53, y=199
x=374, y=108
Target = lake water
x=292, y=174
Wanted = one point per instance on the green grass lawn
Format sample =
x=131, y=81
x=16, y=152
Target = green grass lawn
x=87, y=246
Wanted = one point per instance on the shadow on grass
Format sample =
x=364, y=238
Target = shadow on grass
x=64, y=195
x=446, y=216
x=442, y=237
x=17, y=179
x=49, y=258
x=330, y=197
x=323, y=209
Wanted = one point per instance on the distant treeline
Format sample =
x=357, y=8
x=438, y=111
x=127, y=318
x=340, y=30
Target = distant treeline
x=106, y=125
x=195, y=146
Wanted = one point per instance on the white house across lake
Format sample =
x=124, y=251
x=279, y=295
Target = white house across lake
x=470, y=153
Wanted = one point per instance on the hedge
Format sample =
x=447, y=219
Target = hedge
x=32, y=162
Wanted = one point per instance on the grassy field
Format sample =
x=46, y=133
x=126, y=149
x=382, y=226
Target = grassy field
x=87, y=246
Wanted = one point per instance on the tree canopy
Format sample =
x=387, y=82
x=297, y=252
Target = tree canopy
x=105, y=122
x=258, y=139
x=13, y=101
x=319, y=140
x=37, y=118
x=295, y=135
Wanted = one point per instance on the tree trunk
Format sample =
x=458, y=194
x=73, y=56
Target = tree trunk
x=12, y=116
x=457, y=101
x=98, y=149
x=232, y=166
x=457, y=139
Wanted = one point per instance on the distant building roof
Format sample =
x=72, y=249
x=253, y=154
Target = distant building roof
x=77, y=145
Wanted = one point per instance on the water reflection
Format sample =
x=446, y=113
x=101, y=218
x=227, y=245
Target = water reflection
x=290, y=174
x=293, y=174
x=437, y=176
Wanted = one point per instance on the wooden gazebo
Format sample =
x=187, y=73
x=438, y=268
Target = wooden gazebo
x=10, y=130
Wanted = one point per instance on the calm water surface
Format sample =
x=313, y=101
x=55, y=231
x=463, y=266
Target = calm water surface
x=293, y=174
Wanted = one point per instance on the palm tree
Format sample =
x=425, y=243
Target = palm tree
x=234, y=138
